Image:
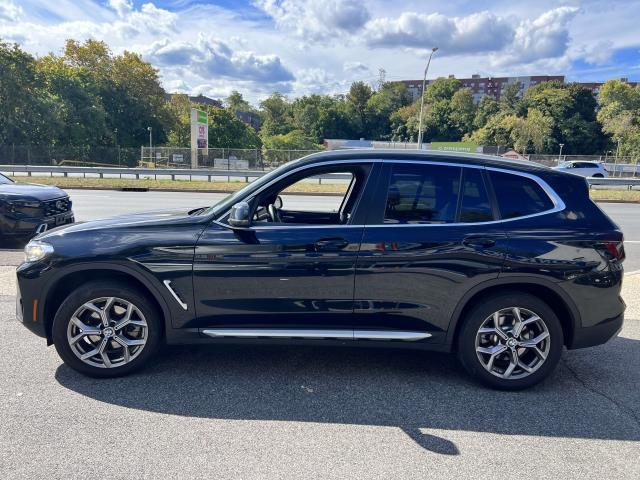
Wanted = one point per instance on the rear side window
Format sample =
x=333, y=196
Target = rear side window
x=518, y=196
x=422, y=194
x=475, y=205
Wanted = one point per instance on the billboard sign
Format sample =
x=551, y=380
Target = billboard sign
x=199, y=134
x=465, y=147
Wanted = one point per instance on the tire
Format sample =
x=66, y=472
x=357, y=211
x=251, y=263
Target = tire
x=478, y=352
x=79, y=329
x=598, y=175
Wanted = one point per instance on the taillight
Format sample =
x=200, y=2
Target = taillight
x=615, y=249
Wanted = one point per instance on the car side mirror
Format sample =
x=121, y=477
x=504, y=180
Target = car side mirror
x=278, y=202
x=239, y=216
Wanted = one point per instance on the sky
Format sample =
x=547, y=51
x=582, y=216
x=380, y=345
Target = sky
x=299, y=47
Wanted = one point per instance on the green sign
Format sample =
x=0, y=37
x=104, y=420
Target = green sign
x=202, y=116
x=466, y=147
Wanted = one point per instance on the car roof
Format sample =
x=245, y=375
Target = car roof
x=425, y=155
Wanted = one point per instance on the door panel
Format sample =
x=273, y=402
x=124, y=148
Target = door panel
x=412, y=277
x=428, y=240
x=276, y=277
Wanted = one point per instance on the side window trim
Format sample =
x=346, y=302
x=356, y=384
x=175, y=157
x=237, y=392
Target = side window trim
x=221, y=219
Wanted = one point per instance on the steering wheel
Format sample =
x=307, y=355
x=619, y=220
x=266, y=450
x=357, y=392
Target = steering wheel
x=274, y=215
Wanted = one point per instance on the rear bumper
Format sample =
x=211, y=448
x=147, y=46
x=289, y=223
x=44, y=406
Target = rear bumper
x=597, y=334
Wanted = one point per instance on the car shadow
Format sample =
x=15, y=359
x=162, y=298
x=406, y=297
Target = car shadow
x=422, y=393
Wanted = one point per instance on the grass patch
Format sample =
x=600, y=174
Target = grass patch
x=196, y=185
x=618, y=195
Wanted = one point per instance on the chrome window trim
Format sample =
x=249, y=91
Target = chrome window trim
x=559, y=205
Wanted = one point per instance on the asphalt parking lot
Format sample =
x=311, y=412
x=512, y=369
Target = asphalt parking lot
x=312, y=412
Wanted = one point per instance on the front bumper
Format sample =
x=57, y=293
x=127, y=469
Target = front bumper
x=27, y=311
x=29, y=226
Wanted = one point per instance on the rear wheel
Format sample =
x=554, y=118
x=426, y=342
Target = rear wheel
x=510, y=341
x=105, y=330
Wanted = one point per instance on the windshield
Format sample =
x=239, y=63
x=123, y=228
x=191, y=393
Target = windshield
x=4, y=180
x=230, y=200
x=565, y=165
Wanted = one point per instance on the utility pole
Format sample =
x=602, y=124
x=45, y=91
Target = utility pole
x=382, y=74
x=424, y=83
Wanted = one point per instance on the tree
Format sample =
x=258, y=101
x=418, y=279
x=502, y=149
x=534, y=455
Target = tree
x=276, y=115
x=487, y=108
x=27, y=110
x=226, y=131
x=236, y=103
x=533, y=130
x=463, y=111
x=380, y=106
x=510, y=99
x=179, y=111
x=619, y=114
x=358, y=98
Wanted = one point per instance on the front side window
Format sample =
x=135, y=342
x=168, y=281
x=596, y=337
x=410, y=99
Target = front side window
x=518, y=196
x=422, y=194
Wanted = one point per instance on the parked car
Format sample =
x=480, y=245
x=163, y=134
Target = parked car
x=584, y=169
x=27, y=209
x=503, y=263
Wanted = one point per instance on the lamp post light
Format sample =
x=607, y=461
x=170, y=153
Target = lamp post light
x=150, y=144
x=115, y=138
x=424, y=82
x=560, y=154
x=617, y=156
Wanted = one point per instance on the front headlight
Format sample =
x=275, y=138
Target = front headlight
x=36, y=250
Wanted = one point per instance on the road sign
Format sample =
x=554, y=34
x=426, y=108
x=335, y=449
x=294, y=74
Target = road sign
x=467, y=147
x=199, y=134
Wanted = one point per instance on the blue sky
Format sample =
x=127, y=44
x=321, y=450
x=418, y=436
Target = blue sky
x=320, y=46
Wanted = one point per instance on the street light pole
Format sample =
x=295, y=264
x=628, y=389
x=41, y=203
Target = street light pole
x=560, y=154
x=115, y=136
x=424, y=82
x=150, y=145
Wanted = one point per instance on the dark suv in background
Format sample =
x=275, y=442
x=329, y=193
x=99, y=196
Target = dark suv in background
x=27, y=209
x=504, y=263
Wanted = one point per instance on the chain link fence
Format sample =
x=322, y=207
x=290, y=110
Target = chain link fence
x=148, y=157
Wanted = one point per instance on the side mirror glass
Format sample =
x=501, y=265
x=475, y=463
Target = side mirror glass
x=278, y=202
x=239, y=215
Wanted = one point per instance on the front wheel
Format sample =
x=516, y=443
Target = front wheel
x=510, y=341
x=105, y=330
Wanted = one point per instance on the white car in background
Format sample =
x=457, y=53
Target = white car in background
x=584, y=169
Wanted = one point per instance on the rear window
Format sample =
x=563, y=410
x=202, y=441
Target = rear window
x=518, y=196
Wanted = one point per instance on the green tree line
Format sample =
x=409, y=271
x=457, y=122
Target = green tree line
x=88, y=96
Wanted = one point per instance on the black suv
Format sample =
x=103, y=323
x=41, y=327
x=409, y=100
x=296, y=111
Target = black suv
x=27, y=209
x=503, y=262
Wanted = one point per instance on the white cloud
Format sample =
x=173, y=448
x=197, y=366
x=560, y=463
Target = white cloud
x=355, y=67
x=210, y=57
x=122, y=7
x=545, y=37
x=316, y=20
x=478, y=32
x=9, y=11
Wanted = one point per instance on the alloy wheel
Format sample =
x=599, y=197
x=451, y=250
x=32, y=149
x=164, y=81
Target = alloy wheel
x=513, y=343
x=107, y=332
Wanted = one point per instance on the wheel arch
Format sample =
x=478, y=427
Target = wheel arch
x=71, y=279
x=546, y=291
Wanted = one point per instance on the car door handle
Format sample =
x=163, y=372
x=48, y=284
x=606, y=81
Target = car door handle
x=484, y=242
x=331, y=244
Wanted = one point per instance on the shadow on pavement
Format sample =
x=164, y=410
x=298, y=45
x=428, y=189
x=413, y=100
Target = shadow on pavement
x=416, y=391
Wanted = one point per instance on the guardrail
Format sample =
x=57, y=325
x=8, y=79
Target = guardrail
x=122, y=172
x=173, y=173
